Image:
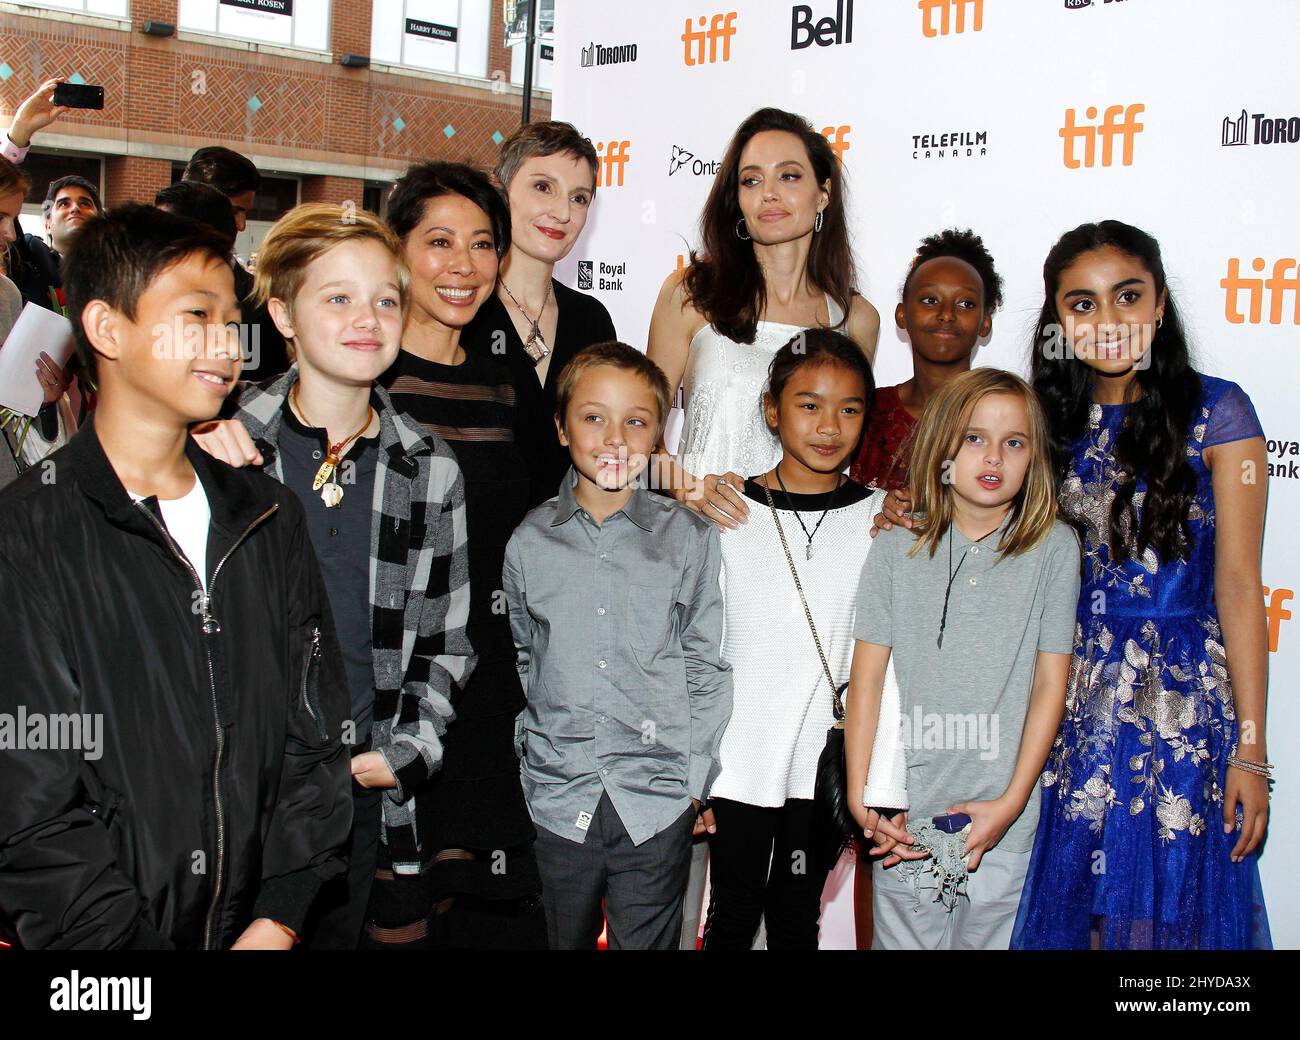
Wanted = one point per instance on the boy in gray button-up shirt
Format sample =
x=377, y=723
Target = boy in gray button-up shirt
x=617, y=617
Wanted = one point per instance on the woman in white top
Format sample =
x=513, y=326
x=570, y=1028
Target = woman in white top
x=776, y=259
x=769, y=858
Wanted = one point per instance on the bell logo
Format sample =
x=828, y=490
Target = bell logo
x=1277, y=285
x=612, y=160
x=1119, y=121
x=947, y=22
x=838, y=136
x=1275, y=609
x=721, y=27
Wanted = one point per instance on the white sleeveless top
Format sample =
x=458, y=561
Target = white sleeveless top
x=723, y=427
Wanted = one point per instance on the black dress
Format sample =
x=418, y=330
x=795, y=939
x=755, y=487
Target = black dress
x=475, y=804
x=582, y=321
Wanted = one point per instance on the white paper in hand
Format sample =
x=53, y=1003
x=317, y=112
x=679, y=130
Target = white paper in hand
x=37, y=330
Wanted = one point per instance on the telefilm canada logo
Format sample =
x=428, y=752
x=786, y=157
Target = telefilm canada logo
x=601, y=276
x=684, y=159
x=828, y=31
x=1259, y=128
x=951, y=144
x=598, y=54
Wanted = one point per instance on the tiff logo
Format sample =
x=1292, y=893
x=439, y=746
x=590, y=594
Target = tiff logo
x=838, y=137
x=1275, y=608
x=613, y=159
x=721, y=27
x=1277, y=285
x=947, y=23
x=1119, y=121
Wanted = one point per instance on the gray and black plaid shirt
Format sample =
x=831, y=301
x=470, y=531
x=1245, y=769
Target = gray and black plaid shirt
x=618, y=629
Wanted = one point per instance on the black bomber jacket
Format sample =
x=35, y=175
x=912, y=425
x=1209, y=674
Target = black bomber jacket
x=219, y=791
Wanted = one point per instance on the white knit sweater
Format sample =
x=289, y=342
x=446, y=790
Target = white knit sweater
x=782, y=703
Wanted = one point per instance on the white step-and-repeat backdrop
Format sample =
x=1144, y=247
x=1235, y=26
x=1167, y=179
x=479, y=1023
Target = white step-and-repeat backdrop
x=1019, y=119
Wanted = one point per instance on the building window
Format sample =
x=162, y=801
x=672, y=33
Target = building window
x=434, y=35
x=284, y=23
x=45, y=167
x=106, y=8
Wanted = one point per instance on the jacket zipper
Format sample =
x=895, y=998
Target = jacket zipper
x=306, y=676
x=211, y=628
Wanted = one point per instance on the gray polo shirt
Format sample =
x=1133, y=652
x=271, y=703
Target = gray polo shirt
x=964, y=706
x=618, y=629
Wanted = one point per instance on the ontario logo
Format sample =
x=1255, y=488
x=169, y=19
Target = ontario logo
x=681, y=159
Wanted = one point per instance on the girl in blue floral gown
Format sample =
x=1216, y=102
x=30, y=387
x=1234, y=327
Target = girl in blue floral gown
x=1155, y=795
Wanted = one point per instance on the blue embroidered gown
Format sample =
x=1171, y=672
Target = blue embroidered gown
x=1130, y=851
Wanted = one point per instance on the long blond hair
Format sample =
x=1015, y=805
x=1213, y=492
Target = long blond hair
x=937, y=440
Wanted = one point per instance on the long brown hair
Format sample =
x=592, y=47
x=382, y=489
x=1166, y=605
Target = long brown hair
x=13, y=179
x=725, y=283
x=937, y=440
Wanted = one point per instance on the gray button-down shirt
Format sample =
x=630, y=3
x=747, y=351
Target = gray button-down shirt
x=618, y=629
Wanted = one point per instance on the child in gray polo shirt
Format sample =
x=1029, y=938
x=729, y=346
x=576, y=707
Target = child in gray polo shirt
x=976, y=604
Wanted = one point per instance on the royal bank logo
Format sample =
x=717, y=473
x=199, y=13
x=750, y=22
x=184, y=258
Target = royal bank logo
x=611, y=162
x=607, y=277
x=1118, y=121
x=1075, y=5
x=1284, y=280
x=951, y=144
x=829, y=31
x=1259, y=128
x=705, y=46
x=940, y=17
x=598, y=54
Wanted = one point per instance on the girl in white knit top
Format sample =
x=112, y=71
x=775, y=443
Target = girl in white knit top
x=764, y=864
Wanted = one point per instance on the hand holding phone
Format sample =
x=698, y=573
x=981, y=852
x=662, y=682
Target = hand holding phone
x=78, y=95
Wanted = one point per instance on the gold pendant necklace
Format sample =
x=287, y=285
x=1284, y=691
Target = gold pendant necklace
x=331, y=492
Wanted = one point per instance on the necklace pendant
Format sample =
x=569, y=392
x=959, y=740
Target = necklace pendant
x=807, y=553
x=323, y=474
x=331, y=494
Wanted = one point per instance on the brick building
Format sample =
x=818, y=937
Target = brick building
x=318, y=130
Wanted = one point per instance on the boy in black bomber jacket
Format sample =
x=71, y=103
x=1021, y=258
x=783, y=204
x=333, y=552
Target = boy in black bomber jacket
x=181, y=780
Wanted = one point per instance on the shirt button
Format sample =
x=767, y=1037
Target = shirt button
x=315, y=454
x=604, y=556
x=600, y=664
x=972, y=581
x=600, y=611
x=601, y=718
x=975, y=550
x=334, y=531
x=604, y=772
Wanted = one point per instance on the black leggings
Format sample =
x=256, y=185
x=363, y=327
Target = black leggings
x=763, y=865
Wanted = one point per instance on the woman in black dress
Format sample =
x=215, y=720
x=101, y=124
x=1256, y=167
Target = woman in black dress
x=480, y=887
x=534, y=323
